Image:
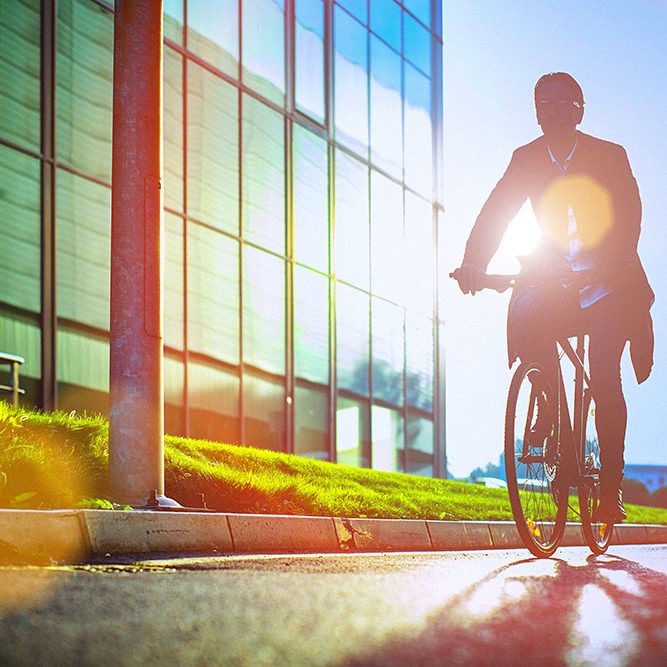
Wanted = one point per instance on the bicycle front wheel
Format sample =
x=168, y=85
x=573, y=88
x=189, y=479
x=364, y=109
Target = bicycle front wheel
x=597, y=534
x=536, y=476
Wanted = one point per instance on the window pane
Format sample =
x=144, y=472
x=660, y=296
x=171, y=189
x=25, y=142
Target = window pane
x=19, y=72
x=418, y=132
x=173, y=129
x=213, y=294
x=386, y=124
x=311, y=415
x=213, y=33
x=357, y=8
x=353, y=437
x=386, y=22
x=420, y=446
x=421, y=9
x=419, y=254
x=351, y=82
x=173, y=282
x=85, y=86
x=387, y=445
x=83, y=250
x=311, y=325
x=82, y=370
x=264, y=311
x=263, y=175
x=264, y=405
x=352, y=339
x=417, y=44
x=352, y=231
x=172, y=16
x=388, y=351
x=23, y=338
x=311, y=224
x=419, y=361
x=213, y=403
x=264, y=48
x=174, y=398
x=387, y=243
x=213, y=178
x=20, y=271
x=309, y=57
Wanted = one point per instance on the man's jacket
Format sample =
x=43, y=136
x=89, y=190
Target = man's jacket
x=599, y=191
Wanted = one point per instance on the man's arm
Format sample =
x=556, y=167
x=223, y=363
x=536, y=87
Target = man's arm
x=502, y=205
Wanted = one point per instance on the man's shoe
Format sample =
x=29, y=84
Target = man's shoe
x=611, y=509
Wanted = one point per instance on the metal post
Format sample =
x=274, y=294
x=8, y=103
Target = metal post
x=136, y=448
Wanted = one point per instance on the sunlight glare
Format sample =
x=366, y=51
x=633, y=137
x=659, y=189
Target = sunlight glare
x=522, y=235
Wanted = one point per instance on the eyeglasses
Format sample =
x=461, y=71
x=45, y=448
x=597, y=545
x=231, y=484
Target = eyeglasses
x=558, y=104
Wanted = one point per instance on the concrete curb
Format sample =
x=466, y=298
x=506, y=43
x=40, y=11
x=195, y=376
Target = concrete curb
x=73, y=536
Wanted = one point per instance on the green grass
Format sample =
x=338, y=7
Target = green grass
x=56, y=460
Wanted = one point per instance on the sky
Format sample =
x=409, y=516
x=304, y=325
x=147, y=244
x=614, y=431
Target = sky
x=494, y=52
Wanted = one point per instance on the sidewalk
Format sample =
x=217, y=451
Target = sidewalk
x=74, y=535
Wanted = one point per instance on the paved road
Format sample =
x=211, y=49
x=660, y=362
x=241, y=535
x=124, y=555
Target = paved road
x=475, y=608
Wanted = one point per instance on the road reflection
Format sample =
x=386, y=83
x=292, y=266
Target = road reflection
x=604, y=610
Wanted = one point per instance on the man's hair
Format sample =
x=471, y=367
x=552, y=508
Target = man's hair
x=568, y=79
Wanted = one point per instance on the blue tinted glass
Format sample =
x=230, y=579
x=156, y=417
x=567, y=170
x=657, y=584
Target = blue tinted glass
x=386, y=22
x=352, y=231
x=20, y=273
x=311, y=214
x=352, y=339
x=420, y=446
x=421, y=9
x=417, y=44
x=419, y=254
x=264, y=310
x=309, y=58
x=388, y=439
x=357, y=8
x=352, y=432
x=388, y=351
x=387, y=241
x=213, y=294
x=311, y=417
x=172, y=11
x=264, y=48
x=263, y=173
x=213, y=33
x=419, y=361
x=386, y=108
x=351, y=82
x=264, y=413
x=311, y=325
x=418, y=132
x=19, y=72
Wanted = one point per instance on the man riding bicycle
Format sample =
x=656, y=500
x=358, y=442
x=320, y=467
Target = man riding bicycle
x=587, y=204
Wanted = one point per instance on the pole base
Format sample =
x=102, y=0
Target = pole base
x=161, y=503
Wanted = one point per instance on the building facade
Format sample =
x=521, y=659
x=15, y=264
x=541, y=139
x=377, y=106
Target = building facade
x=302, y=166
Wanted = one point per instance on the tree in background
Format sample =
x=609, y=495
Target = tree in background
x=658, y=498
x=635, y=492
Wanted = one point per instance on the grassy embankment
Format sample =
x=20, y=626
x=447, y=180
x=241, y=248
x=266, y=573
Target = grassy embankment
x=57, y=460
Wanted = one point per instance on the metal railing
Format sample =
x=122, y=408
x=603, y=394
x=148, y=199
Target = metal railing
x=13, y=361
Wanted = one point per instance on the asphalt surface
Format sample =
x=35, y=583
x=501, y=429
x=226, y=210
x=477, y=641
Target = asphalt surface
x=457, y=608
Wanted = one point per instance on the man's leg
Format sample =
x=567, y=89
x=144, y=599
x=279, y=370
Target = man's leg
x=607, y=342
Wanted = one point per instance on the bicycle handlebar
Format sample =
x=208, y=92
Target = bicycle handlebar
x=502, y=282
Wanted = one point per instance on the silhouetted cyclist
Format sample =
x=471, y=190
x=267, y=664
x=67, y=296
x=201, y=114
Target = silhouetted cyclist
x=587, y=204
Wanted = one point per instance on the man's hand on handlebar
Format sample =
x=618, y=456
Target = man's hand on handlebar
x=470, y=278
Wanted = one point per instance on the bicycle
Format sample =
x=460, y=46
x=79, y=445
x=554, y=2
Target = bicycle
x=542, y=467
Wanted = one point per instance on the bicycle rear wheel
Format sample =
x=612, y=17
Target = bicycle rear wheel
x=536, y=477
x=597, y=535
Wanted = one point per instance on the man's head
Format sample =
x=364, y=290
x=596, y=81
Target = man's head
x=559, y=104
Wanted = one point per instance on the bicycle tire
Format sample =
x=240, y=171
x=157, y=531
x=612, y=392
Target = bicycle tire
x=597, y=535
x=536, y=475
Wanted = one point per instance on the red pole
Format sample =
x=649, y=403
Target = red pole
x=136, y=447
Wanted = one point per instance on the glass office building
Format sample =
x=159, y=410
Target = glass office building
x=302, y=165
